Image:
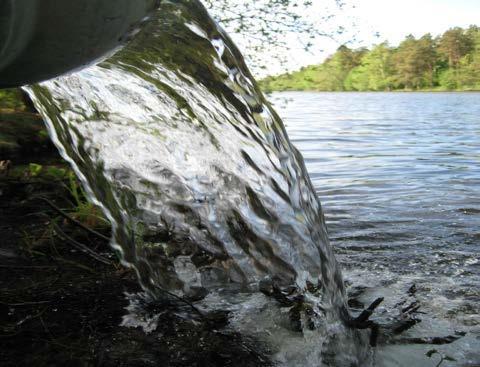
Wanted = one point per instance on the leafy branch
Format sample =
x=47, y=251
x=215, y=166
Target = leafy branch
x=271, y=28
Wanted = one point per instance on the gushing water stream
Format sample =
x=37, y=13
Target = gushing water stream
x=207, y=197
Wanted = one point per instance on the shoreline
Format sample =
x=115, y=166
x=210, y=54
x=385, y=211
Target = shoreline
x=371, y=91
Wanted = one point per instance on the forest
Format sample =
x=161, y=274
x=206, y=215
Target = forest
x=447, y=62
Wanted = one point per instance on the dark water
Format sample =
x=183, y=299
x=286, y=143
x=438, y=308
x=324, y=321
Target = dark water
x=399, y=178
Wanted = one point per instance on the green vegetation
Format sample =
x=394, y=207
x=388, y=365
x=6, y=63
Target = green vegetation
x=448, y=62
x=270, y=22
x=11, y=99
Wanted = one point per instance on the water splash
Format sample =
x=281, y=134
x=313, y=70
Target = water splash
x=207, y=197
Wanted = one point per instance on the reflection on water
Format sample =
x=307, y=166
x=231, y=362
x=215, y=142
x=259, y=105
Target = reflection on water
x=399, y=178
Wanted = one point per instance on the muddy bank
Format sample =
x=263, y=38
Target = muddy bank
x=62, y=290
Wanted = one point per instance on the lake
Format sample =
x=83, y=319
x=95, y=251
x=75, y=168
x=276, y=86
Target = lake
x=398, y=175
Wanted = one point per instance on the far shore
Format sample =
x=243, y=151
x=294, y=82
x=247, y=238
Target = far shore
x=376, y=91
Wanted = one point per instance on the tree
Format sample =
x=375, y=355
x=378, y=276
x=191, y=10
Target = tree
x=427, y=59
x=471, y=77
x=273, y=26
x=415, y=62
x=329, y=76
x=460, y=50
x=374, y=72
x=338, y=66
x=455, y=44
x=473, y=33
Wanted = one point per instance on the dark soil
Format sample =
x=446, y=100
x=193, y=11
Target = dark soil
x=62, y=306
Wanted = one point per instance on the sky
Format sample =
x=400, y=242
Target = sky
x=395, y=19
x=391, y=19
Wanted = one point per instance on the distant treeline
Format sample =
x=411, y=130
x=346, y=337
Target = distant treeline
x=447, y=62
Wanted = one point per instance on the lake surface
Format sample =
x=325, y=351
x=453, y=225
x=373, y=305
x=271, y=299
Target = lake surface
x=398, y=175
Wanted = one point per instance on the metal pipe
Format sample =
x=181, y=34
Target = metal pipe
x=42, y=39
